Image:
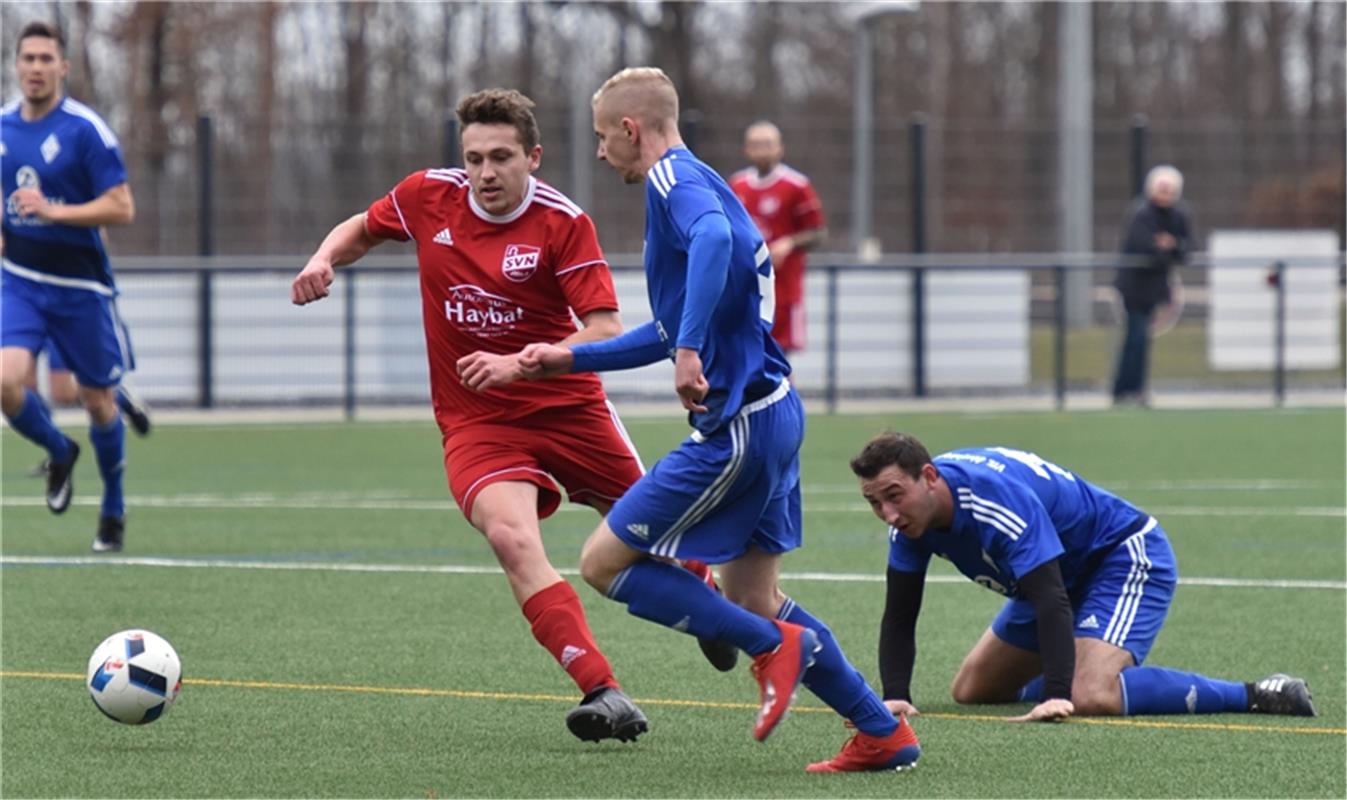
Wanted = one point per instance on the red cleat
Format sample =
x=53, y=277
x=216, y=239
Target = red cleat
x=779, y=673
x=702, y=570
x=864, y=753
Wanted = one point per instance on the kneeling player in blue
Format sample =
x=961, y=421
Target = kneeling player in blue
x=63, y=179
x=729, y=494
x=1088, y=575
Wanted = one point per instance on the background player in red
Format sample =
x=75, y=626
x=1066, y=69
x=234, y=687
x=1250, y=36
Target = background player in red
x=504, y=260
x=788, y=213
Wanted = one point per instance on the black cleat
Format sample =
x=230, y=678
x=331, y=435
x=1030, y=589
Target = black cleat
x=722, y=655
x=60, y=481
x=137, y=413
x=111, y=532
x=607, y=713
x=1281, y=694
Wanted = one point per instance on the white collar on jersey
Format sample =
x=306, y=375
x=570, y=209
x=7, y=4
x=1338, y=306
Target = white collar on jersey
x=501, y=219
x=763, y=181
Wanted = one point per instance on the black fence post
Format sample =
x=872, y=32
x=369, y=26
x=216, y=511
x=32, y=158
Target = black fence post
x=451, y=144
x=1059, y=338
x=348, y=347
x=1279, y=334
x=918, y=128
x=205, y=246
x=830, y=355
x=1139, y=130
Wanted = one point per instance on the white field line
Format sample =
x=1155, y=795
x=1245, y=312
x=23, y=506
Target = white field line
x=463, y=569
x=345, y=501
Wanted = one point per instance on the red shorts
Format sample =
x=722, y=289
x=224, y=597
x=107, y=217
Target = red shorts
x=788, y=326
x=583, y=448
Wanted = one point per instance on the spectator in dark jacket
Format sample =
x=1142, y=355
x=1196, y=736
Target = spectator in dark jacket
x=1157, y=234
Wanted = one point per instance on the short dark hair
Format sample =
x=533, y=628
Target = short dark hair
x=891, y=449
x=46, y=30
x=501, y=107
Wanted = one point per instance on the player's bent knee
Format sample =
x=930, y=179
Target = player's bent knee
x=971, y=690
x=1097, y=699
x=512, y=543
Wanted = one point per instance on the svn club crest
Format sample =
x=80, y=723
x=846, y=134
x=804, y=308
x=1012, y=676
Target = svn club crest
x=521, y=261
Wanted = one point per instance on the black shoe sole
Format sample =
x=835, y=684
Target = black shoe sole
x=68, y=483
x=594, y=727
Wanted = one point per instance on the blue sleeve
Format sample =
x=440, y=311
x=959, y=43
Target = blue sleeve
x=687, y=202
x=905, y=555
x=637, y=347
x=102, y=161
x=709, y=248
x=1012, y=523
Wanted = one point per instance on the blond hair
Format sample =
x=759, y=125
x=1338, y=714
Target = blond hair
x=643, y=93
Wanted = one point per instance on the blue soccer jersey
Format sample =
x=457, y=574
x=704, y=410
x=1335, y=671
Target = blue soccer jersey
x=1014, y=511
x=71, y=156
x=741, y=361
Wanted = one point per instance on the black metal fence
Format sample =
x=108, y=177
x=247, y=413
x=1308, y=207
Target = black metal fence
x=221, y=331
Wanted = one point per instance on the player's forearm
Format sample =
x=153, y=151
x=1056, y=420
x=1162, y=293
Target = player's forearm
x=898, y=633
x=114, y=207
x=709, y=251
x=346, y=243
x=637, y=347
x=1056, y=634
x=808, y=240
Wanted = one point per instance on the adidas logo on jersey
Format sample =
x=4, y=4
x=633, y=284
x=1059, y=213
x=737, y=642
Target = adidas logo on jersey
x=444, y=237
x=1090, y=622
x=640, y=530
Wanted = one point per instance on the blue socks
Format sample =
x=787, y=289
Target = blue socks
x=836, y=682
x=675, y=598
x=110, y=444
x=34, y=423
x=1155, y=690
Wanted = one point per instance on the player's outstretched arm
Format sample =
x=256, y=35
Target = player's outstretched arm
x=1053, y=709
x=343, y=245
x=116, y=206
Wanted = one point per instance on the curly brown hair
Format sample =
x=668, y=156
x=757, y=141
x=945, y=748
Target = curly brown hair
x=501, y=107
x=891, y=449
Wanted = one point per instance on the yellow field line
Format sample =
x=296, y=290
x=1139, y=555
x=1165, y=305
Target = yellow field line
x=554, y=698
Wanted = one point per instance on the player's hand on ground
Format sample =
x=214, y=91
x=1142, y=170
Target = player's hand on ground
x=689, y=381
x=312, y=282
x=539, y=361
x=1052, y=710
x=30, y=202
x=481, y=371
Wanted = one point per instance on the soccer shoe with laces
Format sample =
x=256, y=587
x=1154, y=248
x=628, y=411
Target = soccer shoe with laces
x=722, y=655
x=607, y=713
x=779, y=673
x=111, y=534
x=137, y=413
x=864, y=753
x=60, y=480
x=1281, y=694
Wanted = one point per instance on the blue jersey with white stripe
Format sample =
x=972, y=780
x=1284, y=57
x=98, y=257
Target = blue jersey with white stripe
x=741, y=361
x=1014, y=511
x=72, y=157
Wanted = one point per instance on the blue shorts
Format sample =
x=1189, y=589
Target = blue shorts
x=79, y=327
x=1123, y=602
x=712, y=499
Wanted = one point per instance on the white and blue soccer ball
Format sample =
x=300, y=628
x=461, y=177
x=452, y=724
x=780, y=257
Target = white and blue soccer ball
x=134, y=677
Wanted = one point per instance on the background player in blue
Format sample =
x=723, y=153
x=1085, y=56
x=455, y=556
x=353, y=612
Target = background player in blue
x=1088, y=575
x=63, y=177
x=729, y=494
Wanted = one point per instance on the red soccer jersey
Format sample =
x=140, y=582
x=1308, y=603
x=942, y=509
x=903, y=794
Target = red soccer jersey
x=496, y=283
x=782, y=203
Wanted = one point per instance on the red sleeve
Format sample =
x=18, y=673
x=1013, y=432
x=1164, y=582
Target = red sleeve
x=582, y=271
x=393, y=215
x=808, y=210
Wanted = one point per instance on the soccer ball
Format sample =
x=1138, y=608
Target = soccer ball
x=134, y=676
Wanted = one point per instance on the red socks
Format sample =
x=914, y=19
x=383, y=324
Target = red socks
x=559, y=625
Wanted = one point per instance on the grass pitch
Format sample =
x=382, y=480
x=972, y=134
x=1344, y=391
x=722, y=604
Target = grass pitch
x=342, y=632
